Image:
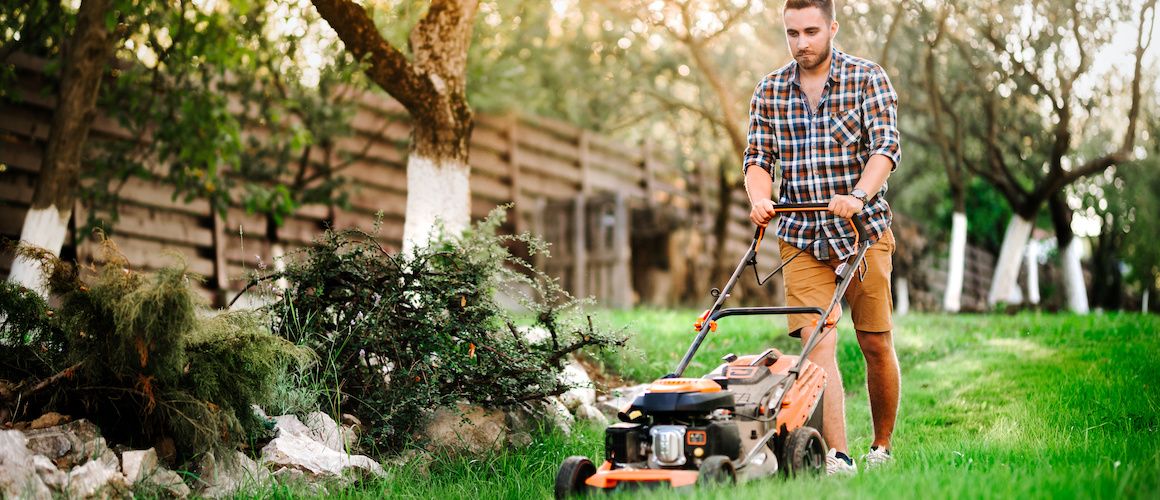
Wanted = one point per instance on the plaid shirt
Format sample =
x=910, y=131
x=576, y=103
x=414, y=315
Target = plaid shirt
x=823, y=151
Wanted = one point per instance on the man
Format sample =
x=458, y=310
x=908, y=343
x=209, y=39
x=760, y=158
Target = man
x=829, y=119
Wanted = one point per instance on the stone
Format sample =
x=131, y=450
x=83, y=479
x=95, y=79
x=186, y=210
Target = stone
x=301, y=453
x=95, y=478
x=168, y=482
x=414, y=460
x=325, y=430
x=518, y=440
x=351, y=421
x=50, y=419
x=559, y=416
x=137, y=464
x=18, y=469
x=466, y=429
x=581, y=390
x=591, y=414
x=221, y=478
x=289, y=425
x=72, y=444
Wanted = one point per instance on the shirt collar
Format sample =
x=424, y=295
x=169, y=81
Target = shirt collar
x=837, y=68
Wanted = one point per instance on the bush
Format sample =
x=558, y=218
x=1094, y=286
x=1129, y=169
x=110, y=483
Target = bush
x=404, y=334
x=137, y=354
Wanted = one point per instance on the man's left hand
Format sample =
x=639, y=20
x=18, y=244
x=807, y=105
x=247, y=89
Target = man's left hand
x=845, y=206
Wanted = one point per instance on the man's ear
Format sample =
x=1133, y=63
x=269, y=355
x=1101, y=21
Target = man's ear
x=833, y=29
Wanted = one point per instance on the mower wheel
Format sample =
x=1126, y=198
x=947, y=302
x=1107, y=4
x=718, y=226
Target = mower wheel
x=715, y=470
x=805, y=452
x=570, y=479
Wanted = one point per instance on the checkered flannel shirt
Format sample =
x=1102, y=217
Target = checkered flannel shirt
x=822, y=152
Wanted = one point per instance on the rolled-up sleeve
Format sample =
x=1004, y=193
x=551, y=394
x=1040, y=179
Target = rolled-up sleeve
x=761, y=150
x=880, y=110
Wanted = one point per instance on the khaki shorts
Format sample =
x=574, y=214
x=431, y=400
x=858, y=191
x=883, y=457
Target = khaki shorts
x=810, y=282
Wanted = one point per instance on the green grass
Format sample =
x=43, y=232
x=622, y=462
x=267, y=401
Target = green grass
x=993, y=407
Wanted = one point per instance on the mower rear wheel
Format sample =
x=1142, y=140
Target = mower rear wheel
x=570, y=479
x=805, y=452
x=717, y=469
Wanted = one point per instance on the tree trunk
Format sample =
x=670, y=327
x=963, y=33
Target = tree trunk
x=1004, y=283
x=1032, y=256
x=952, y=299
x=83, y=60
x=432, y=87
x=901, y=296
x=1071, y=253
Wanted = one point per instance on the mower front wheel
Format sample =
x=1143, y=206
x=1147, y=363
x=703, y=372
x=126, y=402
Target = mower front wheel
x=805, y=452
x=715, y=470
x=570, y=479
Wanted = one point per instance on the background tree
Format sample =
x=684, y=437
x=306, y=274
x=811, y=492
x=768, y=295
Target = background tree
x=432, y=85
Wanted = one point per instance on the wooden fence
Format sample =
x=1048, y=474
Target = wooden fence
x=577, y=188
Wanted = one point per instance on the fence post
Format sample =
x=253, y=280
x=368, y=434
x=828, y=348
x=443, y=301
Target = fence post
x=622, y=273
x=514, y=170
x=649, y=171
x=580, y=225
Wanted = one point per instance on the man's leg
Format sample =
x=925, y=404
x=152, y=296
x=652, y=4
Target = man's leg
x=882, y=382
x=834, y=401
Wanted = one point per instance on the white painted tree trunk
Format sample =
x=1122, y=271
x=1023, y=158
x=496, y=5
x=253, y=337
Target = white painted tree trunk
x=437, y=193
x=45, y=228
x=1032, y=256
x=901, y=296
x=1077, y=300
x=1144, y=304
x=1004, y=283
x=953, y=298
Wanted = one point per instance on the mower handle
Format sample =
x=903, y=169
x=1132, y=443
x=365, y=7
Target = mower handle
x=859, y=228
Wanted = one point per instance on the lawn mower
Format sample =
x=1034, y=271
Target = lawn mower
x=751, y=417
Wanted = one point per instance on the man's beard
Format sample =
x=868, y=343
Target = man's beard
x=813, y=60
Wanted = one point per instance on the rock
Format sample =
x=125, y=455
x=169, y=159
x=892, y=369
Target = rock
x=96, y=478
x=535, y=334
x=260, y=413
x=72, y=444
x=50, y=419
x=18, y=471
x=315, y=460
x=221, y=478
x=413, y=460
x=469, y=429
x=559, y=416
x=137, y=464
x=53, y=477
x=289, y=425
x=608, y=410
x=518, y=440
x=591, y=414
x=168, y=482
x=325, y=430
x=582, y=391
x=351, y=421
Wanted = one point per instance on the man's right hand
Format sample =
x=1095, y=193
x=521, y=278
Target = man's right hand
x=762, y=212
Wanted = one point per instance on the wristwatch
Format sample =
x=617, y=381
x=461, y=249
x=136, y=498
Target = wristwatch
x=860, y=194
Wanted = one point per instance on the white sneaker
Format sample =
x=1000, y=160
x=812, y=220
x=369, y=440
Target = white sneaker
x=878, y=456
x=835, y=465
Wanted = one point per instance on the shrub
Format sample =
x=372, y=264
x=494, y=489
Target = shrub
x=137, y=354
x=403, y=334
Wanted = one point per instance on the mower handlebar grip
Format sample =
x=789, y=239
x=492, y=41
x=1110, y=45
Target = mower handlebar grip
x=863, y=235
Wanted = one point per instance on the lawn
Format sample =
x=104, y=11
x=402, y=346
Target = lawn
x=1030, y=405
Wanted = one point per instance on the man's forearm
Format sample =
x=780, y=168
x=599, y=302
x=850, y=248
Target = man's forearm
x=758, y=184
x=873, y=175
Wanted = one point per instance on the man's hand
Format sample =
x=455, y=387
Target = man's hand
x=845, y=206
x=762, y=212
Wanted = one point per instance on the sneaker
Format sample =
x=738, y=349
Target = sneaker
x=839, y=463
x=878, y=456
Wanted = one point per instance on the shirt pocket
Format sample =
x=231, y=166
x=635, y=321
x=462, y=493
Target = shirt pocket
x=846, y=127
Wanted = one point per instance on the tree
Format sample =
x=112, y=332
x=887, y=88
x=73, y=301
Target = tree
x=85, y=54
x=1025, y=68
x=431, y=85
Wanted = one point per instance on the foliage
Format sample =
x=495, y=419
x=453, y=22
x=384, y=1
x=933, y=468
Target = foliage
x=234, y=108
x=405, y=334
x=140, y=346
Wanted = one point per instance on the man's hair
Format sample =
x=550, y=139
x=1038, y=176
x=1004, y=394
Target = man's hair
x=826, y=6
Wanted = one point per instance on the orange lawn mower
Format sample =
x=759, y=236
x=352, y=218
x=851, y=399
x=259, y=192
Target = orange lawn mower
x=751, y=417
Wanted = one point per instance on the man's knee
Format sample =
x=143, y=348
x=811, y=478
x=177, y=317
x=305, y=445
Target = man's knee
x=876, y=344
